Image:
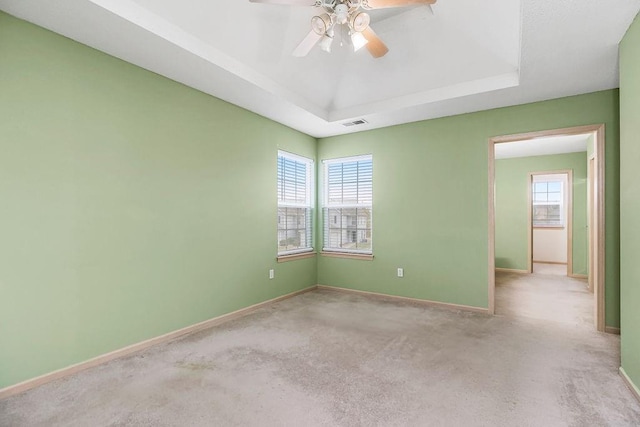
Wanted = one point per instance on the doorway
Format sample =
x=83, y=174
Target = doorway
x=550, y=221
x=594, y=270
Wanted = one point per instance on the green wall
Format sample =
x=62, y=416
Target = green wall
x=430, y=199
x=131, y=205
x=630, y=200
x=512, y=189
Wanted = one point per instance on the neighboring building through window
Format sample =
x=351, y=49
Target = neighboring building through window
x=548, y=206
x=295, y=203
x=347, y=210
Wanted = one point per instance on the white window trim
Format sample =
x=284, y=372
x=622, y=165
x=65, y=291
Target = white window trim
x=348, y=159
x=310, y=205
x=325, y=204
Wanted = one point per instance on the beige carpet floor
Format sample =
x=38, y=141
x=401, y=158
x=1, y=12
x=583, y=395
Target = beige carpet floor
x=547, y=294
x=333, y=359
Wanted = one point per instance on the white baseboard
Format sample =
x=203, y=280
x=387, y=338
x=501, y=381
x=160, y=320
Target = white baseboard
x=511, y=270
x=549, y=262
x=579, y=276
x=630, y=384
x=142, y=345
x=400, y=298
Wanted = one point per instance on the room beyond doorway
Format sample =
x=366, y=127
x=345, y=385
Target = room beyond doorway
x=550, y=221
x=515, y=256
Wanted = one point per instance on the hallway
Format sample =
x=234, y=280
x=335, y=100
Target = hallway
x=547, y=294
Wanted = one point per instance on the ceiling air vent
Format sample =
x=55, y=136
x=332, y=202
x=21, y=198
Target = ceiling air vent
x=355, y=122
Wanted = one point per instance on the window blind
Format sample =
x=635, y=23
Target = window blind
x=347, y=210
x=295, y=203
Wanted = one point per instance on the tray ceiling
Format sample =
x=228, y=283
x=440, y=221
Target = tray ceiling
x=456, y=57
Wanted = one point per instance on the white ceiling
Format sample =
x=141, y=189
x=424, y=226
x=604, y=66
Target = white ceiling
x=464, y=56
x=542, y=146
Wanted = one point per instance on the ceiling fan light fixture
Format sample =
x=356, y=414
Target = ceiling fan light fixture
x=321, y=24
x=325, y=43
x=358, y=40
x=352, y=23
x=359, y=21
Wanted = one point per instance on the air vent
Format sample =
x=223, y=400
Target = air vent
x=355, y=123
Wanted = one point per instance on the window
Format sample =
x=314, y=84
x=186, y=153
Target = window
x=548, y=206
x=295, y=204
x=348, y=197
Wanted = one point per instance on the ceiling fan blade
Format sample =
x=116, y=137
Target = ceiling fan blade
x=307, y=44
x=287, y=2
x=381, y=4
x=376, y=47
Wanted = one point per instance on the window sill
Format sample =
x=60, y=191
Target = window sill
x=348, y=255
x=294, y=257
x=548, y=227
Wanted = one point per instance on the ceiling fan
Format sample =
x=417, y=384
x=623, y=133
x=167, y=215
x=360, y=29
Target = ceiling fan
x=347, y=13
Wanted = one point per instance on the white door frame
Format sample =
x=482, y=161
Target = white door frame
x=591, y=162
x=599, y=217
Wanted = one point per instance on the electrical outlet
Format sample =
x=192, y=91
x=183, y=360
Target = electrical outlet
x=400, y=272
x=271, y=274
